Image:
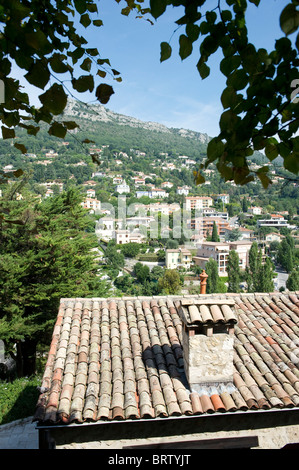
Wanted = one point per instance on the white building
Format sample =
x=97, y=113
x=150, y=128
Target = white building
x=152, y=194
x=220, y=252
x=275, y=220
x=223, y=198
x=125, y=236
x=198, y=202
x=255, y=210
x=122, y=188
x=183, y=190
x=179, y=257
x=91, y=193
x=91, y=204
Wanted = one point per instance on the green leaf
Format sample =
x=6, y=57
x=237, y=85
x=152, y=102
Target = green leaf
x=271, y=149
x=238, y=80
x=80, y=5
x=229, y=64
x=97, y=22
x=185, y=46
x=101, y=73
x=86, y=64
x=228, y=121
x=38, y=41
x=165, y=51
x=83, y=83
x=7, y=133
x=70, y=125
x=104, y=92
x=264, y=179
x=22, y=148
x=229, y=98
x=54, y=99
x=57, y=129
x=215, y=149
x=291, y=163
x=289, y=19
x=204, y=69
x=198, y=177
x=18, y=172
x=192, y=31
x=157, y=7
x=57, y=64
x=38, y=74
x=85, y=20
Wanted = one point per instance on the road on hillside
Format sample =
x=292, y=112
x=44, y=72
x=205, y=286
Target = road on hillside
x=281, y=279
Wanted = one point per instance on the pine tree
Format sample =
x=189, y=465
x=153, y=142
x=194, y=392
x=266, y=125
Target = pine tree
x=47, y=255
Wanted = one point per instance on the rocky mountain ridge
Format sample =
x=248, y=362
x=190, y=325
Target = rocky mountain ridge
x=79, y=112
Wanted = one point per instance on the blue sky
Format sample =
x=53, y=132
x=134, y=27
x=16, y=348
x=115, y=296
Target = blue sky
x=172, y=92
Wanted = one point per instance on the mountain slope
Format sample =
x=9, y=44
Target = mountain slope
x=97, y=113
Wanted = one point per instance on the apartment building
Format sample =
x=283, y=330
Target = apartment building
x=204, y=225
x=220, y=252
x=180, y=257
x=156, y=207
x=198, y=202
x=275, y=220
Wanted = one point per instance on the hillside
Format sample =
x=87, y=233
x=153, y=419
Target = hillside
x=106, y=127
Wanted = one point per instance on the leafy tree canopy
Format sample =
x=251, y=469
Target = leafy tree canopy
x=260, y=111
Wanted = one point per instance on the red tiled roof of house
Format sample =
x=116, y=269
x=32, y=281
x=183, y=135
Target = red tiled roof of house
x=123, y=359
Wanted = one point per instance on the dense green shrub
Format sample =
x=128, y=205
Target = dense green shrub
x=18, y=398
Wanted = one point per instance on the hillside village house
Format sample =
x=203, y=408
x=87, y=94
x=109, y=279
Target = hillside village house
x=91, y=193
x=273, y=237
x=166, y=184
x=183, y=190
x=178, y=258
x=224, y=198
x=126, y=236
x=244, y=233
x=122, y=188
x=220, y=252
x=172, y=372
x=91, y=204
x=255, y=210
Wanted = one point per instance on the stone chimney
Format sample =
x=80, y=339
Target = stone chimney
x=208, y=341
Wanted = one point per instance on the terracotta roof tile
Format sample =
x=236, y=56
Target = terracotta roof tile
x=123, y=358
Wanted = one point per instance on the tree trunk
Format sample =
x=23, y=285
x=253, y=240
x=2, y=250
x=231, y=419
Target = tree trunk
x=26, y=357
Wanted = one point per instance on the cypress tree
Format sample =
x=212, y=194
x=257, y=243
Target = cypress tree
x=233, y=271
x=215, y=237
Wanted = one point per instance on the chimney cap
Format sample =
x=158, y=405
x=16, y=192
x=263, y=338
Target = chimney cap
x=207, y=311
x=203, y=275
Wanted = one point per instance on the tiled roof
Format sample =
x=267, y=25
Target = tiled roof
x=122, y=358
